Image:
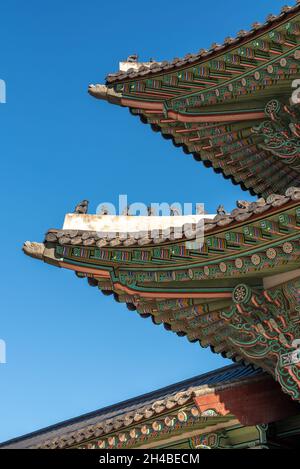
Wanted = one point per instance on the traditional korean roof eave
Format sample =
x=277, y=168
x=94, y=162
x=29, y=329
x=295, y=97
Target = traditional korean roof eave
x=198, y=293
x=212, y=226
x=217, y=98
x=118, y=251
x=243, y=37
x=164, y=404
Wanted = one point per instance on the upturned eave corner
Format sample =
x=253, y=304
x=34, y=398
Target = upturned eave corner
x=105, y=93
x=34, y=249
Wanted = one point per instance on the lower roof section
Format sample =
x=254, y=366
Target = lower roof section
x=177, y=393
x=232, y=407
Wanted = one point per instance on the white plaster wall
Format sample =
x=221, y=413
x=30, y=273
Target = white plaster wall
x=122, y=223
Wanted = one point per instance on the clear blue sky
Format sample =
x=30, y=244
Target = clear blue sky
x=71, y=350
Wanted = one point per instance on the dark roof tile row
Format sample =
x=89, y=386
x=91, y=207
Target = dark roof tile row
x=203, y=53
x=189, y=231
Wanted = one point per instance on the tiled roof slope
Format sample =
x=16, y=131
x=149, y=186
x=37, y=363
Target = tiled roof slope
x=117, y=414
x=237, y=215
x=229, y=107
x=203, y=54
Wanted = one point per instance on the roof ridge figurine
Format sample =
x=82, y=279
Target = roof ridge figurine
x=82, y=207
x=132, y=58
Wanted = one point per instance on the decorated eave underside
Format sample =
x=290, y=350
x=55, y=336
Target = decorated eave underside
x=237, y=292
x=147, y=418
x=228, y=106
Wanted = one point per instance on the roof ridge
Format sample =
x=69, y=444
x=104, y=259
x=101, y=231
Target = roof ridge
x=203, y=53
x=190, y=230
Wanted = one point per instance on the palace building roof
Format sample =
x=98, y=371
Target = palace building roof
x=131, y=415
x=229, y=106
x=107, y=233
x=230, y=281
x=227, y=408
x=219, y=284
